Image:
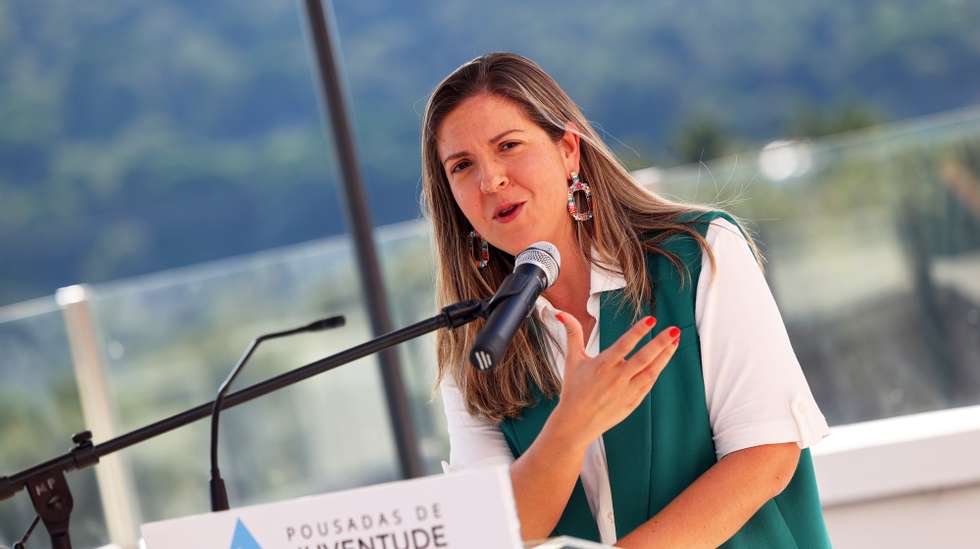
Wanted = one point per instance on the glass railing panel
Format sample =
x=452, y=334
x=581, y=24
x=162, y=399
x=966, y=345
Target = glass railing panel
x=171, y=339
x=408, y=261
x=39, y=411
x=873, y=249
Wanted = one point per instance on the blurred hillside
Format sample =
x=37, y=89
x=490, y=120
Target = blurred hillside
x=136, y=137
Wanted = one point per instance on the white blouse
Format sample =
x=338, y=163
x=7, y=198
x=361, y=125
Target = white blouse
x=754, y=386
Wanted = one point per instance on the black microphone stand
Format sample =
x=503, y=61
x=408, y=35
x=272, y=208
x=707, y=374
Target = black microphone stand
x=46, y=483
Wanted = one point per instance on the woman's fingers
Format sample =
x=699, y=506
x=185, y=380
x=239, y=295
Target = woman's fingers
x=627, y=342
x=600, y=395
x=645, y=379
x=576, y=340
x=653, y=348
x=646, y=374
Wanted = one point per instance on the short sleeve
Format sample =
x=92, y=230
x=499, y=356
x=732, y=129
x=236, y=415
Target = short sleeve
x=754, y=386
x=473, y=441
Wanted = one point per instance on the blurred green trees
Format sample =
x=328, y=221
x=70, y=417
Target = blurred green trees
x=136, y=137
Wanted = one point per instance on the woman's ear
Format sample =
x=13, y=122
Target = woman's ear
x=569, y=147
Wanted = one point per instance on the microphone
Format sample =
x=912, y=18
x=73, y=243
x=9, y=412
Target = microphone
x=535, y=270
x=219, y=496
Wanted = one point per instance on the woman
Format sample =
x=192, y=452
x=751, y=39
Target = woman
x=695, y=438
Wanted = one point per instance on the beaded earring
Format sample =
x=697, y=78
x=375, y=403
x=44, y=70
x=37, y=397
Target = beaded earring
x=580, y=210
x=479, y=249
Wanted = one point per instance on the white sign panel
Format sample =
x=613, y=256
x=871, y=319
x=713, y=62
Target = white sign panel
x=464, y=510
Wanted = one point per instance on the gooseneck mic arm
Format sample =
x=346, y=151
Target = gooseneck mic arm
x=219, y=495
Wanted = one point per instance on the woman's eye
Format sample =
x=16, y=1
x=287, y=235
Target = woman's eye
x=460, y=166
x=508, y=145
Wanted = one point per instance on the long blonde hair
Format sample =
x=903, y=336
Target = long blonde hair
x=628, y=222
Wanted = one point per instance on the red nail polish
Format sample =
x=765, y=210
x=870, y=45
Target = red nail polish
x=650, y=320
x=674, y=332
x=560, y=317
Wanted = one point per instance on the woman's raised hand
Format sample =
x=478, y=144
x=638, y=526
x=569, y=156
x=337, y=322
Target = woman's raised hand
x=598, y=393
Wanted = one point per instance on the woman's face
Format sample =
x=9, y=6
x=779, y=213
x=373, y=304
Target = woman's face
x=507, y=175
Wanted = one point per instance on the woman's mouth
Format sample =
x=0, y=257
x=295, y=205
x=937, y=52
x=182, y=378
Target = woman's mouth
x=508, y=213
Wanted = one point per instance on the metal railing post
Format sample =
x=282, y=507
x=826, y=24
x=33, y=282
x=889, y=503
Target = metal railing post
x=119, y=503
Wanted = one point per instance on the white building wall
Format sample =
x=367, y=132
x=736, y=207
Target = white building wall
x=905, y=482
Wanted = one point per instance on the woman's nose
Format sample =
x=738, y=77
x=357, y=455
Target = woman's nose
x=492, y=180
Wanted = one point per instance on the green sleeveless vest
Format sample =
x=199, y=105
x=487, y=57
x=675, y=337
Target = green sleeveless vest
x=666, y=443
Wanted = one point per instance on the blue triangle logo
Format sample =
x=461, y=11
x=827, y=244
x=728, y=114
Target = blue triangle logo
x=243, y=538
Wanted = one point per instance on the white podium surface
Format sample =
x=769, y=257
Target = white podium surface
x=464, y=510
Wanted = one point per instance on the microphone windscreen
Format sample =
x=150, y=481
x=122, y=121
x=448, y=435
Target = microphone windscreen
x=543, y=254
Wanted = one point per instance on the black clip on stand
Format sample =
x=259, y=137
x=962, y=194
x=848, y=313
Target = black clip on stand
x=46, y=483
x=49, y=491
